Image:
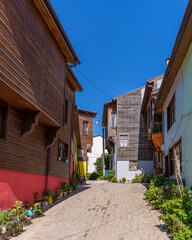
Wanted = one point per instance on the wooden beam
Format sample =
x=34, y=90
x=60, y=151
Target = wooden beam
x=51, y=136
x=29, y=122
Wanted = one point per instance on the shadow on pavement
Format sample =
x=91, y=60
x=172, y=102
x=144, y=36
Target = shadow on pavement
x=79, y=188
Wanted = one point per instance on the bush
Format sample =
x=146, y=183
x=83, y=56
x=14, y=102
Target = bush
x=142, y=178
x=93, y=176
x=114, y=180
x=111, y=174
x=123, y=180
x=164, y=194
x=103, y=178
x=87, y=176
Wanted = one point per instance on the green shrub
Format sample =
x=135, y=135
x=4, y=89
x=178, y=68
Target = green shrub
x=103, y=178
x=87, y=176
x=114, y=180
x=142, y=178
x=99, y=166
x=93, y=176
x=123, y=180
x=111, y=174
x=164, y=194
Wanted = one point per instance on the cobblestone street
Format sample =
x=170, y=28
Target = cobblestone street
x=99, y=211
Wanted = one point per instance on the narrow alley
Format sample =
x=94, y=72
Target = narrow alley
x=97, y=211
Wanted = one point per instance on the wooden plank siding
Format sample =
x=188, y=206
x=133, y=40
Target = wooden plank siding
x=130, y=122
x=32, y=64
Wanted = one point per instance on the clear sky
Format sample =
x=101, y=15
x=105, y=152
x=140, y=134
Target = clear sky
x=120, y=44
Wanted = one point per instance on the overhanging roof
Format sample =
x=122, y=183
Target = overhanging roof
x=148, y=91
x=181, y=46
x=74, y=81
x=87, y=113
x=51, y=20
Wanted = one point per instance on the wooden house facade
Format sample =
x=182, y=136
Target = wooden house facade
x=86, y=136
x=126, y=135
x=153, y=121
x=37, y=94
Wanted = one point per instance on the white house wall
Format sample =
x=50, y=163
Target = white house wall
x=175, y=132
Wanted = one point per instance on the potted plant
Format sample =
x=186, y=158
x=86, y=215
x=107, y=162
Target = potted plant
x=38, y=197
x=8, y=216
x=3, y=227
x=49, y=195
x=70, y=189
x=59, y=193
x=65, y=186
x=37, y=209
x=44, y=202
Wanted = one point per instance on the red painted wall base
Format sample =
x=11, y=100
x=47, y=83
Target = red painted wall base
x=20, y=186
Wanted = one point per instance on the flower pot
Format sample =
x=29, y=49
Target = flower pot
x=44, y=204
x=50, y=200
x=4, y=229
x=61, y=195
x=64, y=194
x=30, y=213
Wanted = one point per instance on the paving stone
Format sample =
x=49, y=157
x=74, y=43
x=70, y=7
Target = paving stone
x=102, y=211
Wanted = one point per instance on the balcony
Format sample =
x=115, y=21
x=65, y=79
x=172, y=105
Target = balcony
x=157, y=136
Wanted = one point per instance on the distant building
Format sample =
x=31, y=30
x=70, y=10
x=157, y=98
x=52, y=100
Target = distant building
x=86, y=136
x=97, y=151
x=126, y=136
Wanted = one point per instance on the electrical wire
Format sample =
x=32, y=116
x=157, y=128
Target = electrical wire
x=101, y=90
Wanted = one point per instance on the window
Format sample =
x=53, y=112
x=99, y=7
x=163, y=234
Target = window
x=170, y=160
x=123, y=140
x=113, y=120
x=171, y=113
x=62, y=152
x=132, y=165
x=66, y=111
x=3, y=116
x=85, y=128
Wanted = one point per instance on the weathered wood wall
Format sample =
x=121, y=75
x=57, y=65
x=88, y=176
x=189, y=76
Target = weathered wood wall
x=32, y=64
x=130, y=123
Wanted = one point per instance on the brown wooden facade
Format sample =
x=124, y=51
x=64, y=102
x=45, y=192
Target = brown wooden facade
x=86, y=133
x=126, y=141
x=35, y=84
x=153, y=121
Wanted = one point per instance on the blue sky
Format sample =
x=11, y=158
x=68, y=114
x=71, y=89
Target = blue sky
x=120, y=44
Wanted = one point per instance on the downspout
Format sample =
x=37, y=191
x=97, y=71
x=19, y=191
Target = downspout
x=48, y=168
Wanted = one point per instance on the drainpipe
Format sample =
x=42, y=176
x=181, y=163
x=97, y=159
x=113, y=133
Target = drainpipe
x=48, y=168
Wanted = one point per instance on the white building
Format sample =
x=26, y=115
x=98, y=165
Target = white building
x=97, y=150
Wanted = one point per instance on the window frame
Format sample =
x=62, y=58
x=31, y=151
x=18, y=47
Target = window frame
x=85, y=131
x=112, y=119
x=171, y=113
x=124, y=138
x=135, y=164
x=3, y=121
x=64, y=157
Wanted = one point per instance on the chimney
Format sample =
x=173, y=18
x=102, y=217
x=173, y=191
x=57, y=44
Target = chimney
x=167, y=62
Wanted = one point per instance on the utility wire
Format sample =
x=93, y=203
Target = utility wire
x=101, y=90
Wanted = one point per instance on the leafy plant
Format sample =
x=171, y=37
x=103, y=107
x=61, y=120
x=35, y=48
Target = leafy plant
x=65, y=186
x=124, y=180
x=38, y=197
x=37, y=208
x=48, y=193
x=114, y=180
x=87, y=176
x=111, y=174
x=94, y=176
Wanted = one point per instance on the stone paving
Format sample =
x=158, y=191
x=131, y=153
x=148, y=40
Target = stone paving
x=99, y=211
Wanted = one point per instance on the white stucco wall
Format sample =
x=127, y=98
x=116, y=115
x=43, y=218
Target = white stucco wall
x=97, y=150
x=187, y=115
x=123, y=169
x=175, y=132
